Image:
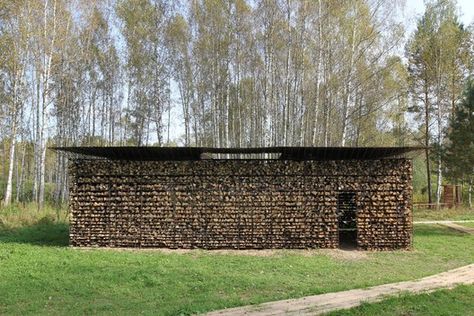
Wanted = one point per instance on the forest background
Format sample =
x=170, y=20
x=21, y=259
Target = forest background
x=240, y=73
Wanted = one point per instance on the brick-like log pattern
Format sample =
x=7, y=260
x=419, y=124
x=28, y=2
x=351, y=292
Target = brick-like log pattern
x=238, y=203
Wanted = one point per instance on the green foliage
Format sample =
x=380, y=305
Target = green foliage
x=25, y=215
x=419, y=179
x=235, y=73
x=40, y=275
x=144, y=25
x=26, y=194
x=459, y=153
x=438, y=59
x=443, y=302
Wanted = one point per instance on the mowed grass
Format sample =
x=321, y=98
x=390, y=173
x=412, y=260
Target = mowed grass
x=40, y=274
x=460, y=213
x=456, y=302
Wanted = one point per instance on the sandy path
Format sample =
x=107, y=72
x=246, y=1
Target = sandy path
x=443, y=222
x=464, y=229
x=452, y=224
x=323, y=303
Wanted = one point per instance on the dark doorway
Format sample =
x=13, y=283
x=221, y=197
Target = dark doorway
x=347, y=220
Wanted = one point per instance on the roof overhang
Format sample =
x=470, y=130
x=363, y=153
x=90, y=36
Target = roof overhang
x=198, y=153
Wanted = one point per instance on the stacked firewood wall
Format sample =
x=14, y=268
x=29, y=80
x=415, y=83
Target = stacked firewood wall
x=237, y=203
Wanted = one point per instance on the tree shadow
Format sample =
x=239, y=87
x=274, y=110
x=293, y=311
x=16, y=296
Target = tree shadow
x=50, y=233
x=42, y=233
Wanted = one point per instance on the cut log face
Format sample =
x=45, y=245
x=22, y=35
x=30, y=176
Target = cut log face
x=238, y=204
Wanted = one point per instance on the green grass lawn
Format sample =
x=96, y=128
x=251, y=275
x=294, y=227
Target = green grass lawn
x=443, y=214
x=41, y=275
x=471, y=224
x=456, y=302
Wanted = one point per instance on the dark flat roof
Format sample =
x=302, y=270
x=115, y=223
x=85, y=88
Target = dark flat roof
x=198, y=153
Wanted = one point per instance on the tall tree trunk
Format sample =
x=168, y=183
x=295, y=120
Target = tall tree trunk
x=37, y=133
x=347, y=90
x=439, y=121
x=318, y=76
x=286, y=109
x=439, y=180
x=470, y=193
x=427, y=143
x=42, y=175
x=49, y=32
x=169, y=117
x=8, y=192
x=20, y=179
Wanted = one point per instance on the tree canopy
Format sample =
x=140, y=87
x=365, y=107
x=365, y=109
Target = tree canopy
x=222, y=73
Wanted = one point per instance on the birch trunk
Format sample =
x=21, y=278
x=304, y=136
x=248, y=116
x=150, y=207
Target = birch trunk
x=42, y=175
x=286, y=109
x=347, y=92
x=37, y=126
x=427, y=141
x=439, y=180
x=46, y=74
x=20, y=179
x=318, y=76
x=439, y=121
x=8, y=192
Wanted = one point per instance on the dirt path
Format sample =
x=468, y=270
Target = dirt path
x=464, y=229
x=443, y=222
x=452, y=224
x=323, y=303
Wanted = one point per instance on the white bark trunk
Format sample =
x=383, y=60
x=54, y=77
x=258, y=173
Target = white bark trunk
x=345, y=113
x=8, y=192
x=46, y=75
x=42, y=176
x=439, y=181
x=439, y=122
x=20, y=180
x=286, y=110
x=318, y=75
x=227, y=107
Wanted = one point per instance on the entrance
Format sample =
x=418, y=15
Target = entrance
x=347, y=220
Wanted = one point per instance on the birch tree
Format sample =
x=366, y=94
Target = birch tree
x=437, y=67
x=144, y=28
x=49, y=26
x=14, y=52
x=245, y=74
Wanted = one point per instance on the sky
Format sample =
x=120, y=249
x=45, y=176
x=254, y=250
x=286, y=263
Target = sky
x=415, y=8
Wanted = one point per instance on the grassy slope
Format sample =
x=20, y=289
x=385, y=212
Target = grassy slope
x=456, y=302
x=40, y=275
x=443, y=214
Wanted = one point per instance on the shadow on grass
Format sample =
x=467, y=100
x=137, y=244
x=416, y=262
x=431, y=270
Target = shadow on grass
x=436, y=230
x=41, y=233
x=50, y=233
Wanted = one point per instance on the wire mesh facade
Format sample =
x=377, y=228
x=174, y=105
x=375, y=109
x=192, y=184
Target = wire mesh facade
x=242, y=204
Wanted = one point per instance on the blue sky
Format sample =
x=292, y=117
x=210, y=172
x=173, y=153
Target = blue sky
x=415, y=8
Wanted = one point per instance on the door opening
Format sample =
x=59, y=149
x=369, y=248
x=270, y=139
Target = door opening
x=347, y=220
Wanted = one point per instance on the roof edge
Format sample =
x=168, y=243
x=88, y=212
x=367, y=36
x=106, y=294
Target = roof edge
x=197, y=153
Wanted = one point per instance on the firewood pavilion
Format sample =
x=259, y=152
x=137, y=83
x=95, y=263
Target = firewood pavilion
x=277, y=197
